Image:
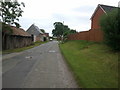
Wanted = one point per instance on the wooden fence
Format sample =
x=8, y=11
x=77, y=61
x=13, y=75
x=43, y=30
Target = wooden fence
x=15, y=41
x=91, y=35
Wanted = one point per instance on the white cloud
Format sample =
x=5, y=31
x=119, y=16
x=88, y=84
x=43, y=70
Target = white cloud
x=75, y=13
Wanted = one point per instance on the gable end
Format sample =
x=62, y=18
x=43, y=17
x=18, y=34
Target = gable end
x=96, y=11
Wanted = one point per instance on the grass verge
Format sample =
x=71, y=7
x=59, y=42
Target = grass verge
x=23, y=48
x=94, y=65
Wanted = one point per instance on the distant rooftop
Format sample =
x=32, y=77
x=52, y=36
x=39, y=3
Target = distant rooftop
x=19, y=31
x=33, y=29
x=37, y=29
x=107, y=8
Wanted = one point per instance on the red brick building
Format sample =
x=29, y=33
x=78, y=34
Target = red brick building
x=95, y=33
x=99, y=11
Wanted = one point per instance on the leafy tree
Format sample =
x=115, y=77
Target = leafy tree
x=73, y=31
x=66, y=30
x=62, y=31
x=11, y=11
x=42, y=30
x=110, y=24
x=59, y=29
x=69, y=32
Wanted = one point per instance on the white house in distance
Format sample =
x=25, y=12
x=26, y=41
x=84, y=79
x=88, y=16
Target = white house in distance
x=37, y=33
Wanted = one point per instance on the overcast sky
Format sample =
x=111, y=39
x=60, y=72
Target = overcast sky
x=75, y=13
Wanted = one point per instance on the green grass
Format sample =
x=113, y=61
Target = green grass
x=23, y=48
x=94, y=65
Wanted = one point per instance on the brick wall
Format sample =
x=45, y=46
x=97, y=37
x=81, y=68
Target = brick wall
x=96, y=19
x=94, y=34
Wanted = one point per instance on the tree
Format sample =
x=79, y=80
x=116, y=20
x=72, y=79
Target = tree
x=73, y=31
x=110, y=25
x=59, y=29
x=11, y=11
x=62, y=31
x=42, y=30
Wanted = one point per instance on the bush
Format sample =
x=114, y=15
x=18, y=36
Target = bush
x=110, y=25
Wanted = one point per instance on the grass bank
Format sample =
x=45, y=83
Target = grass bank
x=23, y=48
x=94, y=65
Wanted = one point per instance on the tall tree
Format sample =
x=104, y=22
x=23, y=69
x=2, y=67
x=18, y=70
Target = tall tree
x=42, y=30
x=11, y=11
x=111, y=28
x=73, y=31
x=62, y=31
x=59, y=29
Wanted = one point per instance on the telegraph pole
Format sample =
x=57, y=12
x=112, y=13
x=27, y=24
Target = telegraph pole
x=63, y=33
x=119, y=4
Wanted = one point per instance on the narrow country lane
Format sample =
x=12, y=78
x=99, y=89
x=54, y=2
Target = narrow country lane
x=39, y=67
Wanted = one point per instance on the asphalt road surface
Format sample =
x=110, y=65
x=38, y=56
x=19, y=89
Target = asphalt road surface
x=39, y=67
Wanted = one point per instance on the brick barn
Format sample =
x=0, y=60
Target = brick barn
x=95, y=33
